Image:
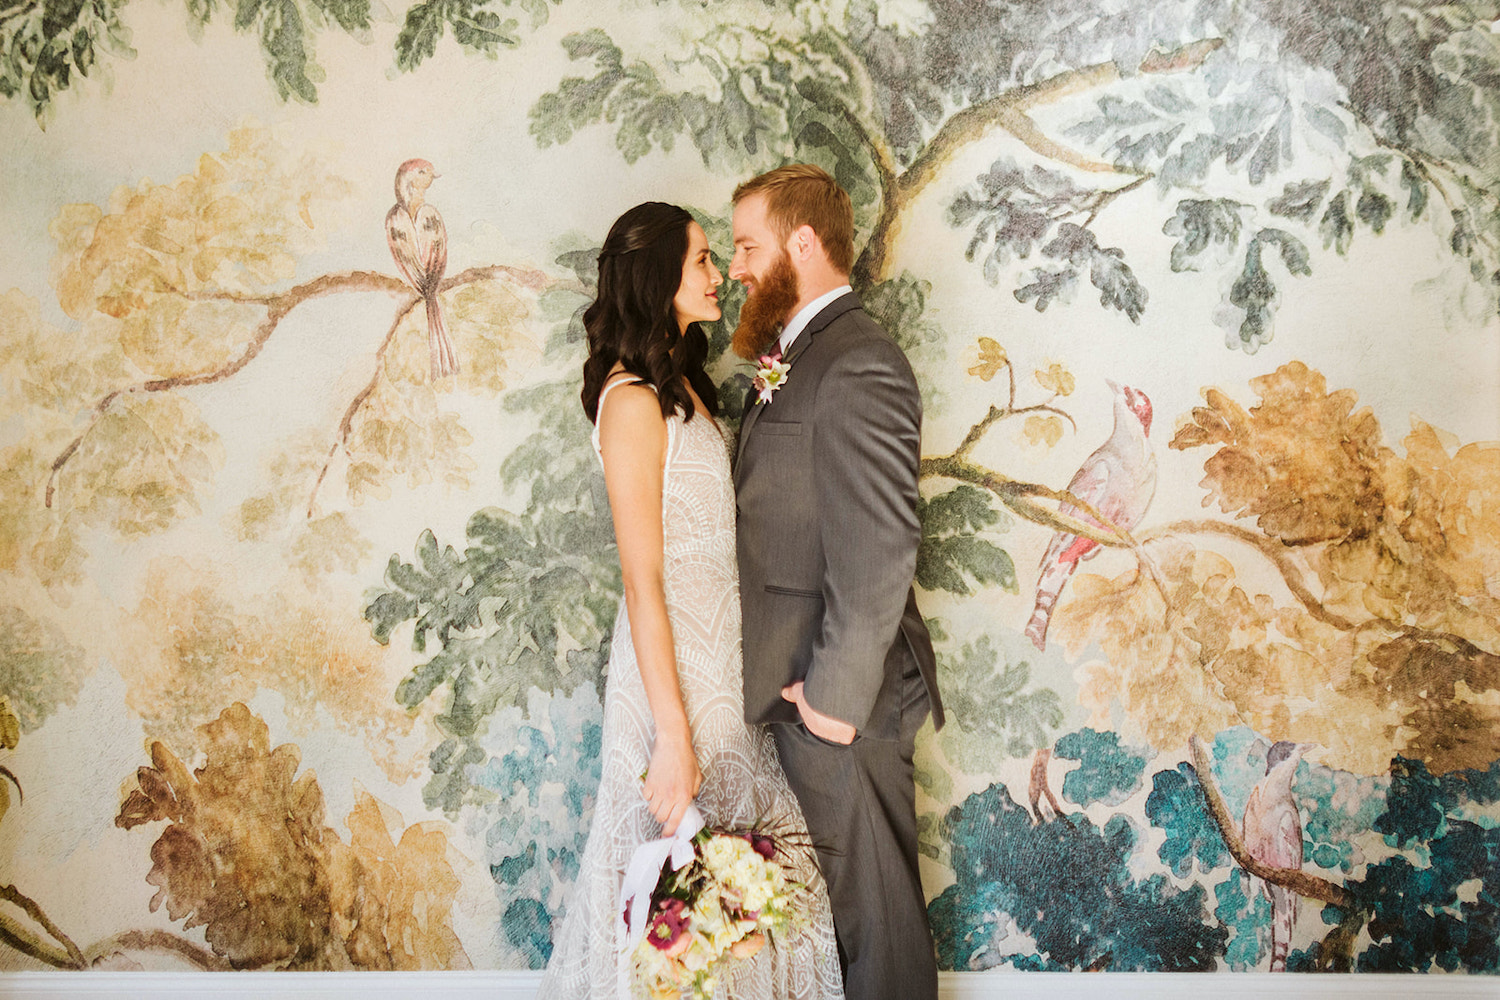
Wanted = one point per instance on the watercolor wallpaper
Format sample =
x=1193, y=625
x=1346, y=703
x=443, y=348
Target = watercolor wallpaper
x=306, y=575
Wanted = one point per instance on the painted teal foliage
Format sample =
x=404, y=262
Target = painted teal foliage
x=1336, y=806
x=1176, y=805
x=535, y=804
x=1417, y=919
x=527, y=927
x=1068, y=885
x=1108, y=771
x=1245, y=912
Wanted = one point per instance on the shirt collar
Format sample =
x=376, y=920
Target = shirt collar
x=805, y=316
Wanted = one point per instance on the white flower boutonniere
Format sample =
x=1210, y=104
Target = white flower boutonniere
x=770, y=376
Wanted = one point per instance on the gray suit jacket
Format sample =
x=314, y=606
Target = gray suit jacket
x=826, y=482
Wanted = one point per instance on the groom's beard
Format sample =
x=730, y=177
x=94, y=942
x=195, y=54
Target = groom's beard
x=765, y=309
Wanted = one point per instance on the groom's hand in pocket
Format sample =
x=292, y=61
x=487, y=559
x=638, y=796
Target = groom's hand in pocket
x=820, y=725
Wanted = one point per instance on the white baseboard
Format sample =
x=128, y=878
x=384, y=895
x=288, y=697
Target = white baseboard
x=522, y=986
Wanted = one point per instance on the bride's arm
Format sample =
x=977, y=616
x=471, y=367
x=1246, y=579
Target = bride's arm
x=633, y=444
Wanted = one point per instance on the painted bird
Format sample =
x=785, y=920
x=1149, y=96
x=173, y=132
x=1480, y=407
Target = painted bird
x=1119, y=480
x=1273, y=835
x=419, y=242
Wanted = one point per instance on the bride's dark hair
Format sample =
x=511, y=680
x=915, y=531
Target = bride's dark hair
x=632, y=319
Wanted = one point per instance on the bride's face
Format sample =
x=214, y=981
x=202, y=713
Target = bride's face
x=697, y=299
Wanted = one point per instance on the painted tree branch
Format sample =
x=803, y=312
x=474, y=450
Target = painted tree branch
x=1018, y=496
x=1103, y=198
x=534, y=280
x=1273, y=551
x=24, y=941
x=13, y=12
x=1008, y=111
x=1298, y=881
x=347, y=423
x=161, y=941
x=880, y=150
x=277, y=307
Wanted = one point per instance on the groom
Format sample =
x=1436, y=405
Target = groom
x=837, y=659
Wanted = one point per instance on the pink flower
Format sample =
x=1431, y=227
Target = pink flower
x=764, y=846
x=748, y=946
x=668, y=931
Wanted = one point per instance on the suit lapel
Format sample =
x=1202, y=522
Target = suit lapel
x=844, y=303
x=751, y=414
x=832, y=311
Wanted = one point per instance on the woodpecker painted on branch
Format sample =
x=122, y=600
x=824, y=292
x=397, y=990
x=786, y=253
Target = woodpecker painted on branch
x=419, y=242
x=1118, y=480
x=1273, y=835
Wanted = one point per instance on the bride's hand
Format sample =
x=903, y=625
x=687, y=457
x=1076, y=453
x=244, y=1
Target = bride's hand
x=672, y=780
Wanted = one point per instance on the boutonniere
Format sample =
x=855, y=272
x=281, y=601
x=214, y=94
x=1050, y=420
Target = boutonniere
x=770, y=376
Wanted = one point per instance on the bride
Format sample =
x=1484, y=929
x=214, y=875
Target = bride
x=674, y=729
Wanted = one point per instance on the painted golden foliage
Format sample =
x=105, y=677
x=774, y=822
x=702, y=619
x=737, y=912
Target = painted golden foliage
x=197, y=642
x=246, y=855
x=233, y=227
x=1382, y=638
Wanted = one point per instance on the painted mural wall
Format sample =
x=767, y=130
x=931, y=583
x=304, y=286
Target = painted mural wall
x=302, y=636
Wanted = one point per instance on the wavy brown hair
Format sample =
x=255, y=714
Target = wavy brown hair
x=632, y=320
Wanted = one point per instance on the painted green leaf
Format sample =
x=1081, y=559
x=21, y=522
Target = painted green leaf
x=10, y=725
x=952, y=553
x=1294, y=253
x=1255, y=295
x=1300, y=200
x=1416, y=187
x=1336, y=227
x=1201, y=225
x=1375, y=209
x=995, y=711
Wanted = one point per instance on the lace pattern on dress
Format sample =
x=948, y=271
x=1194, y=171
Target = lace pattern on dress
x=742, y=778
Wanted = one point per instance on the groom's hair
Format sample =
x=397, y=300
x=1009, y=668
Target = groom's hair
x=801, y=194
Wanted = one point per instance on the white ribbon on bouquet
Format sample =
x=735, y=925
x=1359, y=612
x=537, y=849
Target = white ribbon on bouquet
x=644, y=870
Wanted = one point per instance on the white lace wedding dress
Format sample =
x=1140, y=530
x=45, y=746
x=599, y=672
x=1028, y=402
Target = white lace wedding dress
x=742, y=778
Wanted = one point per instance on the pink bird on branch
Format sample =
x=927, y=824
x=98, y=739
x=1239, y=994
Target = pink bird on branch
x=419, y=242
x=1272, y=831
x=1118, y=480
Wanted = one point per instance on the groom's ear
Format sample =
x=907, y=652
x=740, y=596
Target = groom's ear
x=803, y=244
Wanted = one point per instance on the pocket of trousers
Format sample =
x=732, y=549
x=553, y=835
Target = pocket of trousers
x=827, y=743
x=793, y=591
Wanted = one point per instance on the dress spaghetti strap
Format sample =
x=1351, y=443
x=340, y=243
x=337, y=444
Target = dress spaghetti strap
x=625, y=378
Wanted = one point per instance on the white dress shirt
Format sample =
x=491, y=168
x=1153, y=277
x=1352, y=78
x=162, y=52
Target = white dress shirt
x=805, y=316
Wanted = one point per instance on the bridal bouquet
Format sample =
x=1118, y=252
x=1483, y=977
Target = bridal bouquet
x=717, y=895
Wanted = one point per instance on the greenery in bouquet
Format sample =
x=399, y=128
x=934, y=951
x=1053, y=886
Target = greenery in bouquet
x=719, y=907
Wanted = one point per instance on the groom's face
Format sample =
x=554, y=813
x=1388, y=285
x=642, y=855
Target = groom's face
x=762, y=264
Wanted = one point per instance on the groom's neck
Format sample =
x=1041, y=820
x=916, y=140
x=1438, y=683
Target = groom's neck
x=813, y=282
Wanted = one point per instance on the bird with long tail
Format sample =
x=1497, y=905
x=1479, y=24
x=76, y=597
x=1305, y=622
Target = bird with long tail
x=1272, y=831
x=1118, y=480
x=418, y=240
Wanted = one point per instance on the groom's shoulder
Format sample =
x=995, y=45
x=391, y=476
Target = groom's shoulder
x=855, y=328
x=858, y=333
